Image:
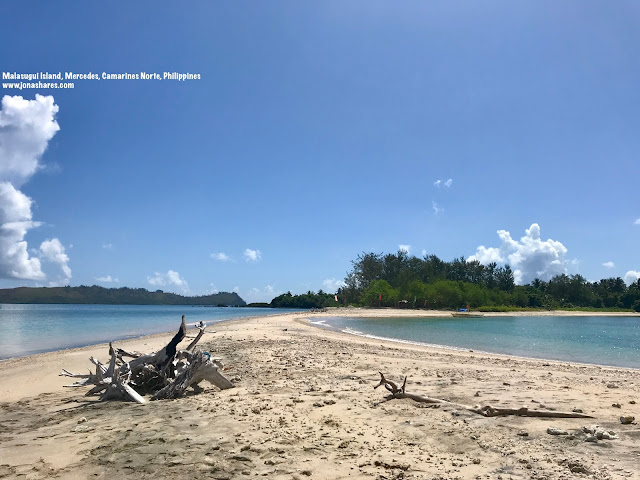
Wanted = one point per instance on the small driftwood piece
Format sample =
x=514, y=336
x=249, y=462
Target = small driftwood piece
x=201, y=328
x=166, y=373
x=485, y=411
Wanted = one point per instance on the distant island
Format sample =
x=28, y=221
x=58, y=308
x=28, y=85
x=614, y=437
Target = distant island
x=113, y=296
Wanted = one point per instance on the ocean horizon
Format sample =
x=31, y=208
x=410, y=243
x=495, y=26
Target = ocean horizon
x=28, y=329
x=600, y=340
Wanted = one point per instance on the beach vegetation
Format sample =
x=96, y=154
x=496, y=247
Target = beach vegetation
x=304, y=301
x=402, y=280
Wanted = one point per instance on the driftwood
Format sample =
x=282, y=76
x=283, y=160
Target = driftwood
x=166, y=373
x=486, y=411
x=200, y=367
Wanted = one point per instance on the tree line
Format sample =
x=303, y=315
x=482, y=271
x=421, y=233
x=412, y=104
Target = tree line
x=113, y=296
x=392, y=280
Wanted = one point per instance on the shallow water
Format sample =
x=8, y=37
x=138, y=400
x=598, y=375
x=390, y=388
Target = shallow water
x=613, y=341
x=29, y=329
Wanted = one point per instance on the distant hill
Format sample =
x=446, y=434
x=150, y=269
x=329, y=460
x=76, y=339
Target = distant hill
x=112, y=296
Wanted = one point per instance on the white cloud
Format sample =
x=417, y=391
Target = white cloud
x=168, y=279
x=424, y=252
x=264, y=294
x=15, y=222
x=331, y=285
x=637, y=222
x=447, y=183
x=221, y=257
x=107, y=279
x=252, y=255
x=26, y=126
x=631, y=276
x=107, y=246
x=437, y=209
x=236, y=289
x=609, y=264
x=404, y=248
x=213, y=289
x=53, y=251
x=530, y=257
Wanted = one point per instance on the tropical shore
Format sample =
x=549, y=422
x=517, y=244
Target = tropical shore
x=304, y=406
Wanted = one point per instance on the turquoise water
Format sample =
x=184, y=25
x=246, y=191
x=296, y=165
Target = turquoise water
x=29, y=329
x=611, y=341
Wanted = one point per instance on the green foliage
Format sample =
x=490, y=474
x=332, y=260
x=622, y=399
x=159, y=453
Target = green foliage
x=379, y=293
x=112, y=296
x=429, y=282
x=306, y=300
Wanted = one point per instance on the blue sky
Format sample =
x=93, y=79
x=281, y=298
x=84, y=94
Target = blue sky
x=317, y=131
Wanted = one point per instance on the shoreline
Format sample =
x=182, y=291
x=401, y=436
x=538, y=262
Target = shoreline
x=141, y=336
x=303, y=405
x=399, y=313
x=469, y=350
x=153, y=342
x=360, y=312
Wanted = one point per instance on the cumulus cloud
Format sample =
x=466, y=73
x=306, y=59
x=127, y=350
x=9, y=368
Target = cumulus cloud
x=631, y=276
x=332, y=285
x=252, y=255
x=53, y=251
x=404, y=248
x=221, y=257
x=609, y=264
x=171, y=278
x=530, y=257
x=107, y=279
x=15, y=222
x=26, y=126
x=637, y=222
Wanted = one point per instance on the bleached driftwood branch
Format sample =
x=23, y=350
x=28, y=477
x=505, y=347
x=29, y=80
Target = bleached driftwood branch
x=486, y=411
x=200, y=367
x=166, y=373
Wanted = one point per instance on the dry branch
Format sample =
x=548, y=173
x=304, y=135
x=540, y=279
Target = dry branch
x=197, y=339
x=486, y=411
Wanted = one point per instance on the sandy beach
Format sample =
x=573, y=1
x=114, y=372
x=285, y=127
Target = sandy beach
x=304, y=406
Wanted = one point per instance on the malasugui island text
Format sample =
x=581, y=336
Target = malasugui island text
x=35, y=76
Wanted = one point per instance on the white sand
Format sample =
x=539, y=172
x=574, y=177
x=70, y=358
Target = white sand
x=304, y=406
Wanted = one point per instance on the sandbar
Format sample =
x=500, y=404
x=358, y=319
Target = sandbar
x=304, y=406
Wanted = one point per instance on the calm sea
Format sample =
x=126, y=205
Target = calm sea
x=29, y=329
x=613, y=341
